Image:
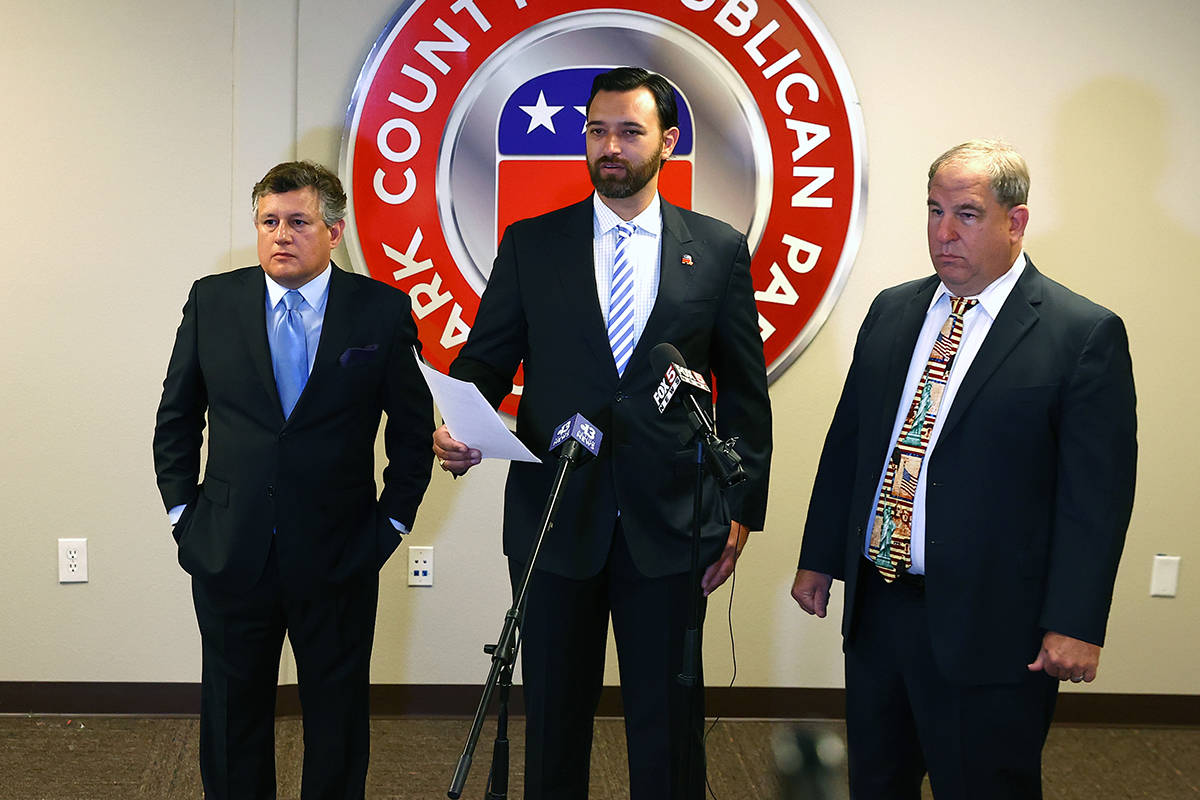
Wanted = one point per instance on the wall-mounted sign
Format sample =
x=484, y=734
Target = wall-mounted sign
x=469, y=114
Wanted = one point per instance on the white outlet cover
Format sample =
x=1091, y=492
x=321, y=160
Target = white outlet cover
x=72, y=561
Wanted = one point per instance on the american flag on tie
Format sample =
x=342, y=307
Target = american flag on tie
x=908, y=481
x=541, y=156
x=944, y=350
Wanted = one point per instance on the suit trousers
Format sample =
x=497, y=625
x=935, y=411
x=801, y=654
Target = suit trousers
x=563, y=644
x=904, y=716
x=331, y=630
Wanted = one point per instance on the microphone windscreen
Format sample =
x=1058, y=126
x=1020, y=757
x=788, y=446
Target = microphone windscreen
x=663, y=355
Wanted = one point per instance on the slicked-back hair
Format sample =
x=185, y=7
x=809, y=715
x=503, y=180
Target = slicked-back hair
x=1007, y=172
x=627, y=79
x=292, y=175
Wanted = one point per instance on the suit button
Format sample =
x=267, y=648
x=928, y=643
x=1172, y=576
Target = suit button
x=620, y=396
x=270, y=490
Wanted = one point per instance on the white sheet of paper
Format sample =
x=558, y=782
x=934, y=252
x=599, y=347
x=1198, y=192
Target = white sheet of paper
x=471, y=419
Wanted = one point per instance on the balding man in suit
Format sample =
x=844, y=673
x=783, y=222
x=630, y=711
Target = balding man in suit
x=973, y=493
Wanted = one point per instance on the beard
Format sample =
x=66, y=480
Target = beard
x=635, y=179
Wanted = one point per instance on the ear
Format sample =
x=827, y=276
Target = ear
x=1018, y=218
x=670, y=139
x=335, y=232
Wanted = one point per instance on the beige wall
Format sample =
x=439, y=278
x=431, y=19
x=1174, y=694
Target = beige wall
x=133, y=131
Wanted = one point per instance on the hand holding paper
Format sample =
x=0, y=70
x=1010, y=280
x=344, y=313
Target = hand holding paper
x=453, y=456
x=469, y=420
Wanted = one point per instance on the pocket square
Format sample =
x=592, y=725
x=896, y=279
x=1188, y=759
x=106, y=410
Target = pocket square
x=353, y=356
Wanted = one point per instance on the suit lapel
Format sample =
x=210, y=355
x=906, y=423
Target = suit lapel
x=571, y=257
x=252, y=317
x=335, y=333
x=1016, y=317
x=674, y=280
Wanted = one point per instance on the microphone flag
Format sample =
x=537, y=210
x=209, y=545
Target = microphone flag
x=676, y=374
x=578, y=429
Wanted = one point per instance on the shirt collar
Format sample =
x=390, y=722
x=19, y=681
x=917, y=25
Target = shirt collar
x=604, y=219
x=315, y=292
x=991, y=298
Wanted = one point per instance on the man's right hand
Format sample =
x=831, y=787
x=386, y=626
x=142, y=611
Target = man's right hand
x=452, y=455
x=811, y=591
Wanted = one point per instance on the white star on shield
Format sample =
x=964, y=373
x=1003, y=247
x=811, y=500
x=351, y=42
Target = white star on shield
x=541, y=115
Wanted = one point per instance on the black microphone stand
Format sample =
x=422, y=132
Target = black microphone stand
x=504, y=651
x=723, y=461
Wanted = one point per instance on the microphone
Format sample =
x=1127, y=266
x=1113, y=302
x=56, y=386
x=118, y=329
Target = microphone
x=666, y=358
x=674, y=376
x=723, y=459
x=577, y=440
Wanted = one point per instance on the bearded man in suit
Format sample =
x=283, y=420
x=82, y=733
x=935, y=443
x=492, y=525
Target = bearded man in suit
x=973, y=493
x=581, y=296
x=293, y=361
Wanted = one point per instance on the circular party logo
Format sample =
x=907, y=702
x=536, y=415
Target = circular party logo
x=469, y=115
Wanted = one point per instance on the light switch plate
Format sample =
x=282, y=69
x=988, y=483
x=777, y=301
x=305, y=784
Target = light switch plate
x=1164, y=577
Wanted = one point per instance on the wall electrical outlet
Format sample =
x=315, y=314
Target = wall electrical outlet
x=72, y=561
x=420, y=566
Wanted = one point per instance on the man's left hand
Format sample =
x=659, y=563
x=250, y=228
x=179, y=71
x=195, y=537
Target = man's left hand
x=1067, y=659
x=722, y=568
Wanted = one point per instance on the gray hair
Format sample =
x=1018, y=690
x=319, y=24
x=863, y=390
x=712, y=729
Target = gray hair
x=292, y=175
x=1006, y=169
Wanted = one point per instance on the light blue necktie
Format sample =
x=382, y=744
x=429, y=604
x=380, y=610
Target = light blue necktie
x=289, y=354
x=620, y=304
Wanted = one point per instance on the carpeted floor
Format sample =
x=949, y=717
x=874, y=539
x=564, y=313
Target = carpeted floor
x=118, y=758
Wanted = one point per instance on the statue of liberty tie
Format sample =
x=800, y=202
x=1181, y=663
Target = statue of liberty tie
x=891, y=533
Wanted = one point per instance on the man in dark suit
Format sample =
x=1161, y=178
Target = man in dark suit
x=621, y=542
x=973, y=493
x=293, y=361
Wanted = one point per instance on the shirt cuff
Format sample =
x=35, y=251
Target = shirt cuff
x=175, y=513
x=398, y=526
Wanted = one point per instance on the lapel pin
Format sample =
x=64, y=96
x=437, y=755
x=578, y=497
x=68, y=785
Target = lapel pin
x=686, y=260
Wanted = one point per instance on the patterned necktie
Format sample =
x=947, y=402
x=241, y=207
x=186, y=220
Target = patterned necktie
x=891, y=533
x=620, y=303
x=289, y=355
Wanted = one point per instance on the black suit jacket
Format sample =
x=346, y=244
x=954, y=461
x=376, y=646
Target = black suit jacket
x=308, y=481
x=1030, y=486
x=541, y=306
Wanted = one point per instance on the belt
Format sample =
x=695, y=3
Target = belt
x=908, y=580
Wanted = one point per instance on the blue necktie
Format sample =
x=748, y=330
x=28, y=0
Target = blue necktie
x=289, y=354
x=620, y=305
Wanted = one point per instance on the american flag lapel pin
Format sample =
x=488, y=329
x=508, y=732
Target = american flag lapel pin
x=686, y=260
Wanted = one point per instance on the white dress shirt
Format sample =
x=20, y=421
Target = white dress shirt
x=976, y=324
x=643, y=251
